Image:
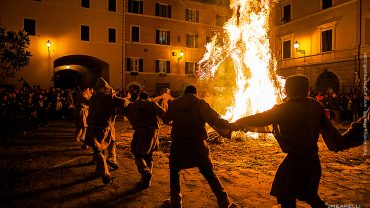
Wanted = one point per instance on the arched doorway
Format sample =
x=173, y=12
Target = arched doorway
x=67, y=79
x=327, y=80
x=79, y=71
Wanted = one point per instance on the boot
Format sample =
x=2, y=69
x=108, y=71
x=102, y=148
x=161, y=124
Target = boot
x=106, y=179
x=146, y=180
x=176, y=196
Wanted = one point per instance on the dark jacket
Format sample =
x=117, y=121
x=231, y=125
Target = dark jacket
x=189, y=114
x=143, y=116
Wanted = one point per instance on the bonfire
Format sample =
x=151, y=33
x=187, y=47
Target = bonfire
x=238, y=66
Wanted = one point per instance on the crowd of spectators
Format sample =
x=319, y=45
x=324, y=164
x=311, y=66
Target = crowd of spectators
x=25, y=109
x=31, y=107
x=28, y=108
x=343, y=107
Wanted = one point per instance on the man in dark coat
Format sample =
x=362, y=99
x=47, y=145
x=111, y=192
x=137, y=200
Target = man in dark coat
x=189, y=148
x=297, y=125
x=143, y=116
x=100, y=133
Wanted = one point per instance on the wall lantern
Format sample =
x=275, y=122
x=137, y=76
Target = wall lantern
x=181, y=55
x=296, y=46
x=48, y=44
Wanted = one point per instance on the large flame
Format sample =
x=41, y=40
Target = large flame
x=245, y=44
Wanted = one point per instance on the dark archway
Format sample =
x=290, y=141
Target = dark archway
x=67, y=79
x=79, y=71
x=327, y=80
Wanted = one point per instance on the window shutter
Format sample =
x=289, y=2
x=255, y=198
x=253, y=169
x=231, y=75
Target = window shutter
x=157, y=66
x=186, y=67
x=129, y=6
x=197, y=13
x=141, y=65
x=168, y=38
x=157, y=37
x=156, y=9
x=196, y=41
x=141, y=7
x=187, y=40
x=128, y=64
x=168, y=68
x=187, y=14
x=169, y=11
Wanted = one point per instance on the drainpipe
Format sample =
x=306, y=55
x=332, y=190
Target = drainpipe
x=123, y=26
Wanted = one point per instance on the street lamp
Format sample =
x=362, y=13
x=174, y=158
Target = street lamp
x=296, y=46
x=48, y=44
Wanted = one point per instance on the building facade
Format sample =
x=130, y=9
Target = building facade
x=165, y=39
x=147, y=44
x=323, y=39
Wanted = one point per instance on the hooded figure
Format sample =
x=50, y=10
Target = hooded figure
x=297, y=123
x=189, y=148
x=100, y=133
x=143, y=116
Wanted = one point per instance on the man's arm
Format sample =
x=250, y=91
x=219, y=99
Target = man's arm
x=258, y=120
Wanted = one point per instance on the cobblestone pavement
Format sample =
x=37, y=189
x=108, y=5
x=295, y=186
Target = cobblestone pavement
x=47, y=168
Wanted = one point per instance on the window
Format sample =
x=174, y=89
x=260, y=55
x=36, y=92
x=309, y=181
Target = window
x=162, y=66
x=287, y=46
x=192, y=15
x=111, y=35
x=286, y=14
x=135, y=64
x=85, y=3
x=135, y=6
x=135, y=34
x=208, y=39
x=327, y=4
x=30, y=26
x=220, y=20
x=85, y=32
x=162, y=37
x=326, y=40
x=162, y=10
x=190, y=68
x=112, y=5
x=191, y=41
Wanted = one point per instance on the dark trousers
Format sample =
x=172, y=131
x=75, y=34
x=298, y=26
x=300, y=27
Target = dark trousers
x=212, y=179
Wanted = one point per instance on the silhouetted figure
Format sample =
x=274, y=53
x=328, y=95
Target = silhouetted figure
x=143, y=116
x=100, y=133
x=189, y=148
x=297, y=125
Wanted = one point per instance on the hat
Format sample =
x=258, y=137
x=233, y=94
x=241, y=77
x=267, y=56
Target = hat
x=297, y=86
x=101, y=83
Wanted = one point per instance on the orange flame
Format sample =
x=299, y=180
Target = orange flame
x=245, y=43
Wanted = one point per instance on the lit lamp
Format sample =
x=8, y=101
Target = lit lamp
x=296, y=46
x=181, y=55
x=48, y=44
